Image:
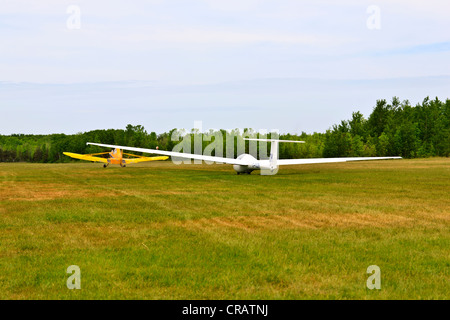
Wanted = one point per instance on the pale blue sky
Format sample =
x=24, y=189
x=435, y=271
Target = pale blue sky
x=267, y=64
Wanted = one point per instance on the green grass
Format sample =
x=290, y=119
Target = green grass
x=160, y=231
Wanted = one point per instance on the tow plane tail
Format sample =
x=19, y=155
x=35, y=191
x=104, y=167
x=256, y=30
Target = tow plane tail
x=116, y=154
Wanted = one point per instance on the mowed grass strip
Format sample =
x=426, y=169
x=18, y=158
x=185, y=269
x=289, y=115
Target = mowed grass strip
x=161, y=231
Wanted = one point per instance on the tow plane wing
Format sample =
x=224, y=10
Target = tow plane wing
x=88, y=157
x=139, y=159
x=115, y=157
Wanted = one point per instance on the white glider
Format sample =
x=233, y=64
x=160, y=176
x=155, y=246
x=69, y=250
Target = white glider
x=246, y=163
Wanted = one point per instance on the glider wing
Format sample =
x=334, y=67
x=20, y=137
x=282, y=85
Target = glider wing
x=284, y=162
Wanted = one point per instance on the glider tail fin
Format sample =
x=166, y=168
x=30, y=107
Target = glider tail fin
x=274, y=152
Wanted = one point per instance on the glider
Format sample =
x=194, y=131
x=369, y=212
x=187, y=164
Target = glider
x=246, y=163
x=115, y=157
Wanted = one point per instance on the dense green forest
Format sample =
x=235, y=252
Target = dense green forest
x=392, y=129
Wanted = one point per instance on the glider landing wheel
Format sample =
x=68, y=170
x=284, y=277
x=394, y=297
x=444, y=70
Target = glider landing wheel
x=104, y=166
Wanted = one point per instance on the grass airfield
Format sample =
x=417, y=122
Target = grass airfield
x=162, y=231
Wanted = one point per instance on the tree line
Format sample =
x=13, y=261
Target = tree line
x=392, y=129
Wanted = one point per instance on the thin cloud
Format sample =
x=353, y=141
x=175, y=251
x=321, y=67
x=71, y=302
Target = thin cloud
x=199, y=36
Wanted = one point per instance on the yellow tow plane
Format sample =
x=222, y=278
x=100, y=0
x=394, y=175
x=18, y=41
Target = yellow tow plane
x=115, y=157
